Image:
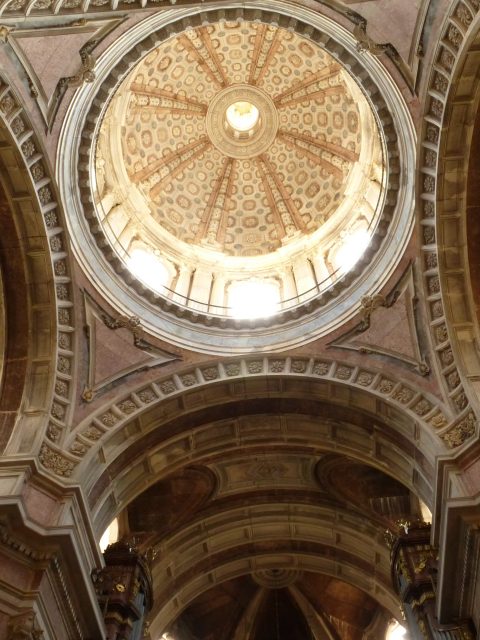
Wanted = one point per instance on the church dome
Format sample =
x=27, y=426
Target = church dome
x=247, y=176
x=239, y=153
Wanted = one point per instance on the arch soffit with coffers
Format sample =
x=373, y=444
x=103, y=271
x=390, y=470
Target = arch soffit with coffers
x=168, y=395
x=177, y=424
x=445, y=272
x=452, y=192
x=30, y=196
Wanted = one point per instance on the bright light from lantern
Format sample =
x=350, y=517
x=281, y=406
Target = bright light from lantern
x=110, y=536
x=148, y=268
x=396, y=632
x=242, y=115
x=426, y=513
x=352, y=249
x=253, y=299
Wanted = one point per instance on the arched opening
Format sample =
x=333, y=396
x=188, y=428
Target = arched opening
x=28, y=302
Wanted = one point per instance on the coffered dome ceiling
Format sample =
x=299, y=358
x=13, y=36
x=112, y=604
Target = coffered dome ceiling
x=241, y=144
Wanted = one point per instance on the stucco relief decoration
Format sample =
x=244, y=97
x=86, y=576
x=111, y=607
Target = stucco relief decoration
x=455, y=31
x=25, y=626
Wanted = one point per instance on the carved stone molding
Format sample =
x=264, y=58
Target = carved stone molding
x=461, y=22
x=24, y=626
x=421, y=407
x=16, y=121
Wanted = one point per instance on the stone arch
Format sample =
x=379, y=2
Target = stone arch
x=364, y=388
x=28, y=285
x=357, y=554
x=441, y=189
x=311, y=414
x=454, y=189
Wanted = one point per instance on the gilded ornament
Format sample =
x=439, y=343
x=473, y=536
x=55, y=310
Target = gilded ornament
x=109, y=419
x=62, y=292
x=365, y=378
x=60, y=268
x=441, y=333
x=277, y=366
x=461, y=401
x=385, y=386
x=437, y=309
x=17, y=125
x=88, y=394
x=211, y=373
x=454, y=36
x=440, y=84
x=78, y=448
x=298, y=366
x=343, y=373
x=168, y=387
x=434, y=285
x=5, y=31
x=255, y=366
x=127, y=406
x=63, y=364
x=428, y=207
x=92, y=433
x=146, y=396
x=28, y=149
x=431, y=261
x=321, y=368
x=64, y=316
x=422, y=407
x=447, y=59
x=7, y=104
x=459, y=433
x=463, y=15
x=38, y=172
x=429, y=184
x=53, y=432
x=55, y=462
x=439, y=421
x=188, y=380
x=61, y=388
x=45, y=195
x=453, y=380
x=403, y=395
x=56, y=243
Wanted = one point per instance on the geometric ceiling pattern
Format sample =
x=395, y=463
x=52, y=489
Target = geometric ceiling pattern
x=203, y=192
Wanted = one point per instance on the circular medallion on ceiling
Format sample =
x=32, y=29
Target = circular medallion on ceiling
x=237, y=169
x=276, y=578
x=242, y=121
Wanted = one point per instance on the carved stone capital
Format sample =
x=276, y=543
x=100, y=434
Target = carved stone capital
x=24, y=627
